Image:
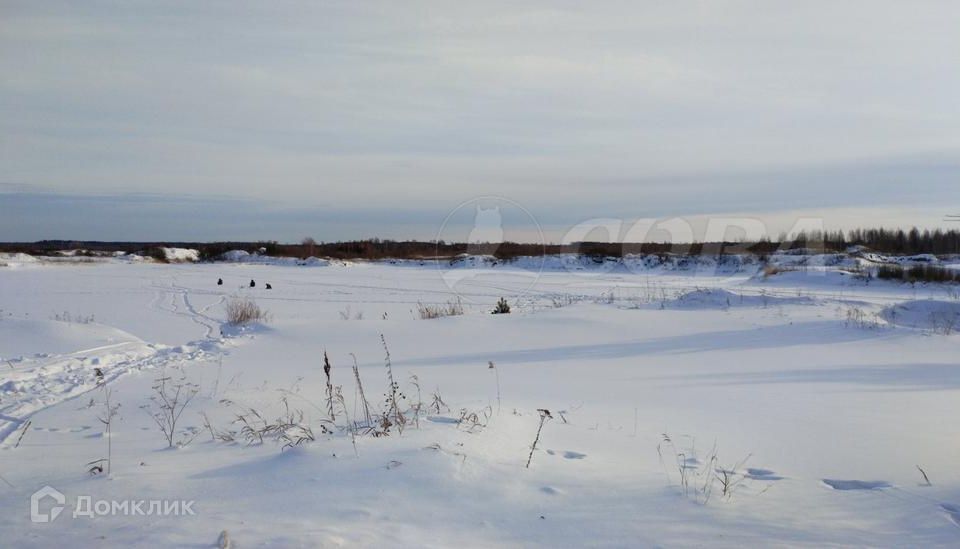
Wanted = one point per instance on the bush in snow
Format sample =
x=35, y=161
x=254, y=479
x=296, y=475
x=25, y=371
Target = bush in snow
x=241, y=311
x=289, y=429
x=171, y=397
x=451, y=308
x=502, y=307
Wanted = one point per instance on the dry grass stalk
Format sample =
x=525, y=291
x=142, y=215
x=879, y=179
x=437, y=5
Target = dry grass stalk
x=326, y=372
x=544, y=416
x=496, y=374
x=367, y=417
x=393, y=416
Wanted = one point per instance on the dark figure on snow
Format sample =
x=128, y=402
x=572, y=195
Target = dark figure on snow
x=219, y=282
x=269, y=287
x=252, y=283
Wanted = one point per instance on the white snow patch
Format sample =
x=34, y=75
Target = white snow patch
x=181, y=255
x=792, y=387
x=17, y=260
x=241, y=256
x=718, y=298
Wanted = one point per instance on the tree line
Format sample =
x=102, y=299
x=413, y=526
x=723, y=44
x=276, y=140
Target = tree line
x=886, y=241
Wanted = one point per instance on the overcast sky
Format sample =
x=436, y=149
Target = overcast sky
x=276, y=120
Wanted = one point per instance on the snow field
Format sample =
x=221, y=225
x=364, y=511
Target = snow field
x=834, y=410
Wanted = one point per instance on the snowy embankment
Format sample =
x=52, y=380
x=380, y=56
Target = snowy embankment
x=181, y=255
x=710, y=265
x=631, y=263
x=940, y=316
x=16, y=260
x=705, y=265
x=241, y=256
x=725, y=409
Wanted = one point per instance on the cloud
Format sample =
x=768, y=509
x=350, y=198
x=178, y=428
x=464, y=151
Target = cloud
x=146, y=217
x=377, y=106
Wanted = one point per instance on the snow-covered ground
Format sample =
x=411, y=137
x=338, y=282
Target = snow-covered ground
x=817, y=393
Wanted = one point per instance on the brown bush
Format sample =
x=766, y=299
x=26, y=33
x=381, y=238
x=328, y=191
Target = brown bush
x=241, y=311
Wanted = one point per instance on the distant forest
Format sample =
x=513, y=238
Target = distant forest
x=886, y=241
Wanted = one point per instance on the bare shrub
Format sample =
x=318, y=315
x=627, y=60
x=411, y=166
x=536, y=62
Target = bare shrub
x=565, y=300
x=77, y=319
x=857, y=317
x=502, y=307
x=729, y=478
x=349, y=314
x=450, y=308
x=169, y=400
x=252, y=426
x=289, y=428
x=944, y=322
x=698, y=478
x=241, y=311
